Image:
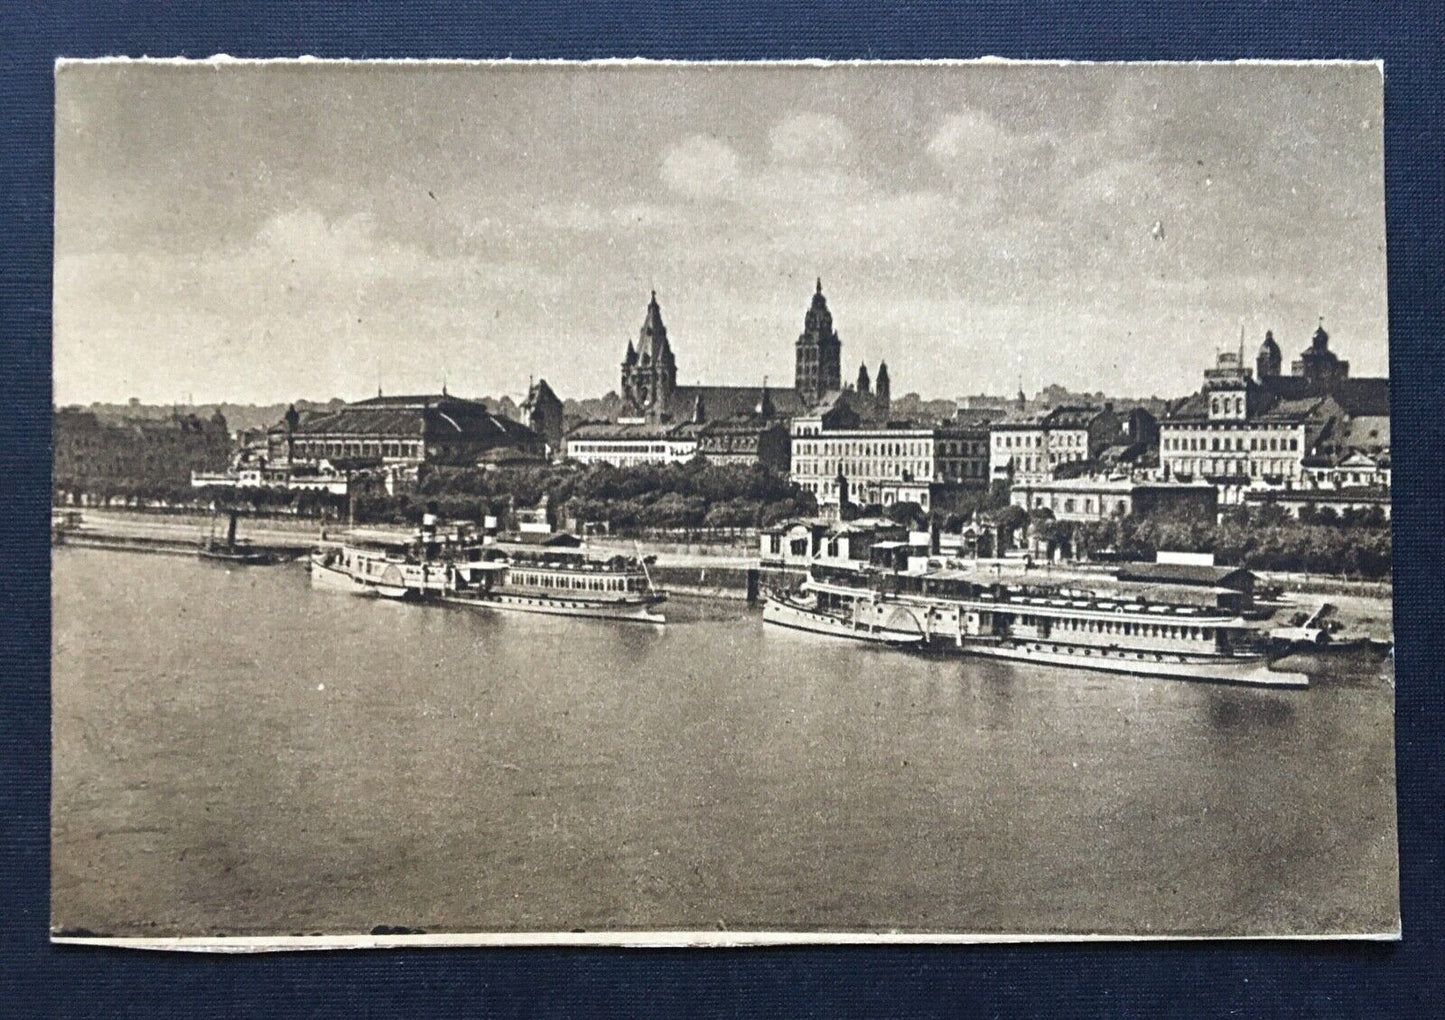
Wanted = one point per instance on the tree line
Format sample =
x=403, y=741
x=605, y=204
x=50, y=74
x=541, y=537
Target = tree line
x=1353, y=544
x=695, y=494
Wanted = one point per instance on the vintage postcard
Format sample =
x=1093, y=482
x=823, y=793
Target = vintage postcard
x=710, y=504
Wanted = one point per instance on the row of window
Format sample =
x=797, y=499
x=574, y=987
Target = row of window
x=315, y=449
x=1257, y=443
x=1085, y=504
x=570, y=582
x=901, y=470
x=1034, y=440
x=1126, y=628
x=1256, y=468
x=577, y=448
x=1225, y=404
x=864, y=448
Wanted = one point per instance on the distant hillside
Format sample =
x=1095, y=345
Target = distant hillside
x=240, y=417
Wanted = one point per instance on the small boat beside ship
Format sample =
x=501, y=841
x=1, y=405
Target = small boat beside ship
x=232, y=550
x=958, y=611
x=529, y=572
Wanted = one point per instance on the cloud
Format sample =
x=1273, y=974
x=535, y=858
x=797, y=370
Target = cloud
x=973, y=136
x=810, y=138
x=700, y=166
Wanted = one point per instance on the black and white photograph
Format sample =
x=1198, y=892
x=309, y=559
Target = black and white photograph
x=665, y=503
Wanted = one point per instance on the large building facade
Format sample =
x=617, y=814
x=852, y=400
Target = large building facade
x=405, y=431
x=1252, y=430
x=1099, y=499
x=93, y=453
x=1027, y=449
x=852, y=462
x=633, y=443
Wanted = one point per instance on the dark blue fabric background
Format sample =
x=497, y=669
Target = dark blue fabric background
x=1252, y=979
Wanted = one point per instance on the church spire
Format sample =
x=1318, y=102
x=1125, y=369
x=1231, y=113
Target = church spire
x=765, y=401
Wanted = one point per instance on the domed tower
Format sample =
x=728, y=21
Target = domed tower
x=1318, y=364
x=865, y=385
x=1267, y=364
x=649, y=371
x=819, y=353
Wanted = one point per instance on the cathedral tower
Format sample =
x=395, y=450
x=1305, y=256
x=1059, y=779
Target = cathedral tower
x=649, y=371
x=819, y=353
x=882, y=389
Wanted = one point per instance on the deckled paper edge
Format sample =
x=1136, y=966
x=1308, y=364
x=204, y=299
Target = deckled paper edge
x=654, y=940
x=226, y=60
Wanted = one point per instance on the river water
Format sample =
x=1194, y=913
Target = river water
x=236, y=753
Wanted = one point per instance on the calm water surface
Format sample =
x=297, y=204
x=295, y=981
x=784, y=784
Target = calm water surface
x=236, y=753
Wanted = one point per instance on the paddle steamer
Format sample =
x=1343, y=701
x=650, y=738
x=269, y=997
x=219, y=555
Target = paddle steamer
x=964, y=611
x=527, y=572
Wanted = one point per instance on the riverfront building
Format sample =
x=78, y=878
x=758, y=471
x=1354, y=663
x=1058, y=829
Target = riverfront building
x=841, y=459
x=1026, y=449
x=632, y=443
x=405, y=431
x=91, y=452
x=1257, y=429
x=753, y=436
x=1098, y=499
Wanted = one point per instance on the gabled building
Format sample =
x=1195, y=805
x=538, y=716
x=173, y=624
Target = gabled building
x=1029, y=448
x=404, y=431
x=544, y=415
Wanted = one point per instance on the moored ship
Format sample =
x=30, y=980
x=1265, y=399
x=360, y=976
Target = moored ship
x=861, y=618
x=961, y=611
x=556, y=579
x=529, y=572
x=233, y=550
x=382, y=564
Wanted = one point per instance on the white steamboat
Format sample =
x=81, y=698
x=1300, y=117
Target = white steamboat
x=529, y=572
x=960, y=611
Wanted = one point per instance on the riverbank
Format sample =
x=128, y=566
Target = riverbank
x=1363, y=608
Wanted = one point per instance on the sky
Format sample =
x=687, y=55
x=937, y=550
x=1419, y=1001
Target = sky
x=271, y=232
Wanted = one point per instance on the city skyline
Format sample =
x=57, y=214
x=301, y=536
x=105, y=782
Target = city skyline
x=226, y=224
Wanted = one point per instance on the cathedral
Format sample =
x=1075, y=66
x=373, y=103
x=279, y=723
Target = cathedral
x=650, y=389
x=819, y=353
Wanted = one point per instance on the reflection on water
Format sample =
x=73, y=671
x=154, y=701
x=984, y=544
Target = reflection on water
x=236, y=752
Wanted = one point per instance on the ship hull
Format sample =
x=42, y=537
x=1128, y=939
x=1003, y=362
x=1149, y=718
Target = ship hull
x=1252, y=671
x=331, y=578
x=624, y=612
x=783, y=614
